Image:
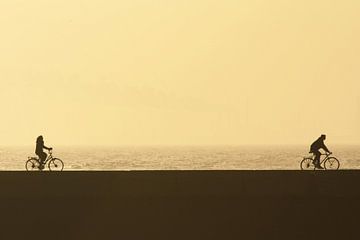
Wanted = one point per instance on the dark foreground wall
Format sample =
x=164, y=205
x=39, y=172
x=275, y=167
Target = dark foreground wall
x=180, y=205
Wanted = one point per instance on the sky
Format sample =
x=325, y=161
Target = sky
x=166, y=72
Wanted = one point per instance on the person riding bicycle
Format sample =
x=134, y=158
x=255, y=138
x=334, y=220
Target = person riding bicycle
x=315, y=147
x=39, y=150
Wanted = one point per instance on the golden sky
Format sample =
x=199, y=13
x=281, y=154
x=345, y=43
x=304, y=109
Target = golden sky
x=179, y=72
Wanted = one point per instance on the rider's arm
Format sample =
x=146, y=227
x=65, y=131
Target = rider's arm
x=326, y=149
x=47, y=148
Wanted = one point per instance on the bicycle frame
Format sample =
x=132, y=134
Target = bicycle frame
x=325, y=158
x=48, y=158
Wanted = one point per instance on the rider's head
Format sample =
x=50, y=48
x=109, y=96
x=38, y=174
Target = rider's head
x=40, y=137
x=323, y=136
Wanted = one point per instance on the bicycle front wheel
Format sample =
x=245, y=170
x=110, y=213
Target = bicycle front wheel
x=56, y=164
x=32, y=165
x=307, y=164
x=332, y=164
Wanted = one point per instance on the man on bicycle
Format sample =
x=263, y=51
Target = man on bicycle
x=39, y=150
x=315, y=147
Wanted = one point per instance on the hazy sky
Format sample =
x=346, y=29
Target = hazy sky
x=179, y=72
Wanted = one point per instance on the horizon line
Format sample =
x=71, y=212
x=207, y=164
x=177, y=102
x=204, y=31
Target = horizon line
x=177, y=145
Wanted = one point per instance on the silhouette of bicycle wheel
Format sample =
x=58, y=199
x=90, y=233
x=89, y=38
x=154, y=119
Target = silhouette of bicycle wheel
x=56, y=164
x=307, y=164
x=332, y=164
x=32, y=164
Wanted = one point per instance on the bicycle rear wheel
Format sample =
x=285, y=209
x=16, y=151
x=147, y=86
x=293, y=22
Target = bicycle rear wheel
x=332, y=164
x=32, y=165
x=56, y=164
x=307, y=164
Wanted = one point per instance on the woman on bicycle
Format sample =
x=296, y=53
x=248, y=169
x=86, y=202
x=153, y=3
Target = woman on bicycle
x=39, y=149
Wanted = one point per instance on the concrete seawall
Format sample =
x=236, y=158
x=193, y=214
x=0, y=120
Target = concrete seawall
x=180, y=205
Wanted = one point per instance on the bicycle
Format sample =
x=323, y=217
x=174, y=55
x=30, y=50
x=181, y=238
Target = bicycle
x=329, y=163
x=54, y=164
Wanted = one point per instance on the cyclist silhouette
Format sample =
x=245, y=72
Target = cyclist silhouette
x=315, y=147
x=39, y=149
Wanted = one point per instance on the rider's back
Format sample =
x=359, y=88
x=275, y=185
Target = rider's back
x=39, y=145
x=318, y=144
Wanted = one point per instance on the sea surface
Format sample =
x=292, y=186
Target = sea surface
x=179, y=157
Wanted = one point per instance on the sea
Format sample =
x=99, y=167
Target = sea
x=128, y=158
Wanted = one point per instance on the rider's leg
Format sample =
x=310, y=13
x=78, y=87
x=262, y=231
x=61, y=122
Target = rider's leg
x=317, y=158
x=43, y=157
